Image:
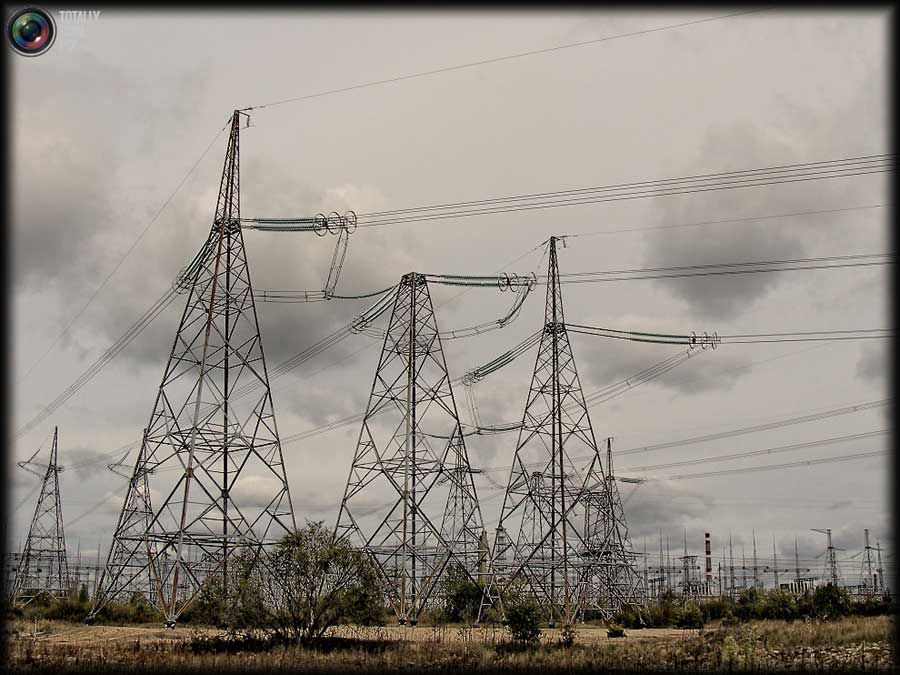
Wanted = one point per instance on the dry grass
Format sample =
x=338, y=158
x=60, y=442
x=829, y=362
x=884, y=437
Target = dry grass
x=863, y=642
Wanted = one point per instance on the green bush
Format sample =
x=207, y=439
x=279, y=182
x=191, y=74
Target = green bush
x=750, y=604
x=831, y=602
x=729, y=619
x=631, y=618
x=779, y=605
x=462, y=597
x=523, y=618
x=689, y=616
x=615, y=631
x=567, y=635
x=717, y=609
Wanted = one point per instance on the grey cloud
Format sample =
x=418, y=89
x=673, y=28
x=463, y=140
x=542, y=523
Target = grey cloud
x=873, y=362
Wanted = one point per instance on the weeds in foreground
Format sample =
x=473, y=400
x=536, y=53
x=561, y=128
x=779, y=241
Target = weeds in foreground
x=847, y=643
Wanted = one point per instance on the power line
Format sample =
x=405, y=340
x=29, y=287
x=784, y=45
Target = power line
x=102, y=361
x=723, y=221
x=498, y=59
x=823, y=166
x=602, y=194
x=768, y=467
x=759, y=427
x=715, y=339
x=756, y=453
x=756, y=177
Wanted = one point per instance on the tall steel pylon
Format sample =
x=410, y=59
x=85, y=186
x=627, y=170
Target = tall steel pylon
x=571, y=547
x=214, y=456
x=44, y=567
x=410, y=500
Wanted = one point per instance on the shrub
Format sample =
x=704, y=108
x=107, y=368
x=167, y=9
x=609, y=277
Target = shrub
x=729, y=619
x=831, y=601
x=779, y=605
x=523, y=617
x=717, y=609
x=317, y=582
x=567, y=635
x=690, y=616
x=615, y=631
x=462, y=596
x=750, y=604
x=630, y=618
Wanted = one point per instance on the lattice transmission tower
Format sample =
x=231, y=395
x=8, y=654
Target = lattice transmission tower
x=612, y=580
x=562, y=529
x=410, y=500
x=213, y=456
x=131, y=548
x=44, y=567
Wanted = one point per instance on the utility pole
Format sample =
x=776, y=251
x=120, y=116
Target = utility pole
x=721, y=566
x=881, y=581
x=755, y=566
x=731, y=556
x=646, y=578
x=668, y=565
x=775, y=562
x=743, y=568
x=663, y=576
x=796, y=564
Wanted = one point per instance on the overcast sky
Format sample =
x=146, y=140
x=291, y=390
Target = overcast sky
x=110, y=119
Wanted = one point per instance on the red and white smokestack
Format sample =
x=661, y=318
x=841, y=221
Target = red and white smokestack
x=708, y=561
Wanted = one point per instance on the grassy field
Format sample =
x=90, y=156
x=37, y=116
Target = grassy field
x=858, y=643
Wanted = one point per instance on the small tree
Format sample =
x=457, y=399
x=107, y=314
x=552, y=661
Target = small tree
x=316, y=583
x=831, y=601
x=462, y=596
x=689, y=616
x=523, y=617
x=780, y=605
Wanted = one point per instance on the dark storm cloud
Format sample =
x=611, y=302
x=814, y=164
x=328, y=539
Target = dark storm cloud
x=750, y=145
x=650, y=510
x=56, y=242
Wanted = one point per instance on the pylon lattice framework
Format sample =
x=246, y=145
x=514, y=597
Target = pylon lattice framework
x=229, y=491
x=44, y=567
x=571, y=544
x=410, y=500
x=131, y=549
